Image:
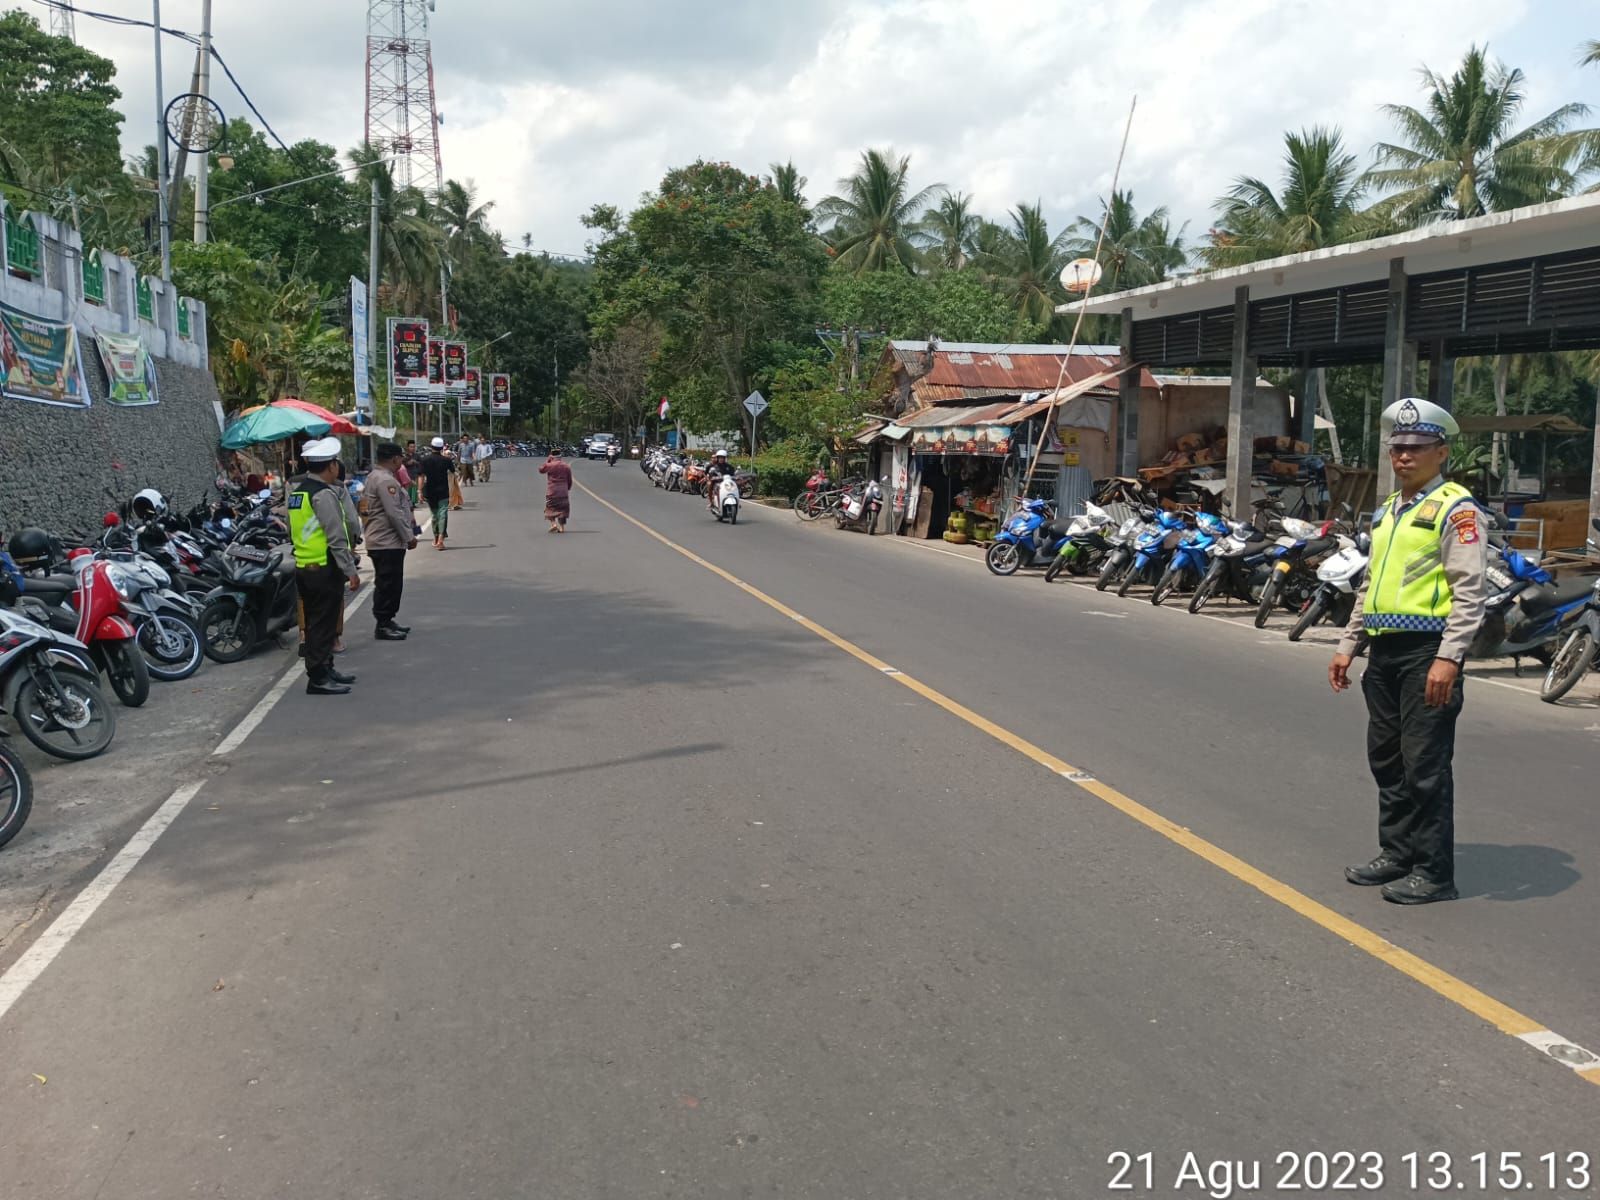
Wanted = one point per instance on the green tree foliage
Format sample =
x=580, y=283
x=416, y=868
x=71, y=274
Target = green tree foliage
x=954, y=306
x=1026, y=262
x=725, y=268
x=58, y=123
x=873, y=219
x=949, y=231
x=1136, y=251
x=1460, y=156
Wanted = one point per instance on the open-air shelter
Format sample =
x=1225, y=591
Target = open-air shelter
x=1513, y=282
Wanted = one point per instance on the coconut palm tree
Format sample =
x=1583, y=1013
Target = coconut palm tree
x=1459, y=156
x=1590, y=54
x=1026, y=264
x=1136, y=251
x=1318, y=205
x=790, y=183
x=948, y=232
x=872, y=218
x=411, y=243
x=464, y=221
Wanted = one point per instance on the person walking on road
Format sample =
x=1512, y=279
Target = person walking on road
x=1417, y=615
x=324, y=562
x=466, y=460
x=412, y=466
x=390, y=533
x=437, y=472
x=485, y=459
x=558, y=485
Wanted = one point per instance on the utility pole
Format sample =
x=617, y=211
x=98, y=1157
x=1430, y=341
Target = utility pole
x=202, y=170
x=558, y=397
x=372, y=280
x=163, y=214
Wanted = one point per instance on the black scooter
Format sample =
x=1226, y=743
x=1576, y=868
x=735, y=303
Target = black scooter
x=255, y=601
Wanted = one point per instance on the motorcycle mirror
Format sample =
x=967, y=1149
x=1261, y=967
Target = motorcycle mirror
x=1364, y=542
x=1595, y=523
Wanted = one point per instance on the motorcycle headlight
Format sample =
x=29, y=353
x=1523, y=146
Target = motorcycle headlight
x=121, y=582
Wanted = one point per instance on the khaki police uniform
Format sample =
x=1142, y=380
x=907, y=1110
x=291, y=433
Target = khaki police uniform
x=389, y=534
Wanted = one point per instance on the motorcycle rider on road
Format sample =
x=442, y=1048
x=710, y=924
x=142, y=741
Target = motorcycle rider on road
x=715, y=470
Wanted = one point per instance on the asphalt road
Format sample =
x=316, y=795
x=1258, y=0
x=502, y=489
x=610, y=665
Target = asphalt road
x=621, y=880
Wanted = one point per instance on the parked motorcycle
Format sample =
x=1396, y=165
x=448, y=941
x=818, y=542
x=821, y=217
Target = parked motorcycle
x=1579, y=652
x=1085, y=544
x=1339, y=579
x=1527, y=611
x=256, y=600
x=166, y=621
x=49, y=690
x=1294, y=561
x=1191, y=558
x=859, y=510
x=1023, y=541
x=1120, y=556
x=88, y=606
x=727, y=499
x=16, y=795
x=1152, y=549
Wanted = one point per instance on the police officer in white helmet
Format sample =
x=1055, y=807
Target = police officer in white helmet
x=1417, y=615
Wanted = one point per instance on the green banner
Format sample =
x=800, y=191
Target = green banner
x=130, y=371
x=39, y=360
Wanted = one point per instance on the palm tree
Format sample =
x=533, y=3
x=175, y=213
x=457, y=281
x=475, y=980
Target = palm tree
x=1590, y=55
x=872, y=218
x=1137, y=250
x=411, y=244
x=464, y=221
x=949, y=231
x=1461, y=158
x=790, y=183
x=1027, y=262
x=1318, y=205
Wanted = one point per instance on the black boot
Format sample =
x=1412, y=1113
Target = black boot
x=339, y=677
x=1419, y=889
x=1382, y=869
x=390, y=633
x=323, y=685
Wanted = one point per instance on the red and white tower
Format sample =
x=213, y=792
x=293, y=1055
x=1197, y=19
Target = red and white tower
x=402, y=116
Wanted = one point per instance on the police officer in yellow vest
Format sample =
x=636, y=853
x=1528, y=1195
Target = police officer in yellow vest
x=325, y=563
x=1417, y=615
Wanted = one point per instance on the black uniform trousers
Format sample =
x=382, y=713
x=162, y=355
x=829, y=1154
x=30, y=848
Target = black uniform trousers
x=1410, y=748
x=321, y=591
x=388, y=581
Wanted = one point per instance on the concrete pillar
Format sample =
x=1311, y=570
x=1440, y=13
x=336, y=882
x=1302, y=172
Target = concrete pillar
x=1127, y=405
x=1241, y=407
x=1594, y=480
x=1441, y=376
x=1399, y=363
x=1305, y=410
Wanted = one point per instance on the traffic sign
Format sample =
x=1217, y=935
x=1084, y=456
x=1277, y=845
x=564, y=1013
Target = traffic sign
x=755, y=404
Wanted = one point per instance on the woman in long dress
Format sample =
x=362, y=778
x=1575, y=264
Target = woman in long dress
x=557, y=505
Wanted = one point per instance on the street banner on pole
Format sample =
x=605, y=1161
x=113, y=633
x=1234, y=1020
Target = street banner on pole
x=500, y=395
x=130, y=371
x=455, y=370
x=472, y=399
x=39, y=360
x=435, y=369
x=408, y=359
x=358, y=343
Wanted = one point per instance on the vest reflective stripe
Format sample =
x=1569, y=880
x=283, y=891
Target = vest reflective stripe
x=1409, y=592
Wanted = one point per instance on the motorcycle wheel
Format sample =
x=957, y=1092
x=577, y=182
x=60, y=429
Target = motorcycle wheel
x=182, y=652
x=1128, y=577
x=733, y=518
x=1078, y=564
x=228, y=631
x=1165, y=586
x=1003, y=558
x=1310, y=617
x=82, y=729
x=1269, y=596
x=1108, y=570
x=1570, y=664
x=127, y=674
x=807, y=507
x=1202, y=593
x=1054, y=569
x=16, y=795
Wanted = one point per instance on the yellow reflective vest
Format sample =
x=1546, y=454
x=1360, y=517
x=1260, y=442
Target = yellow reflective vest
x=1409, y=592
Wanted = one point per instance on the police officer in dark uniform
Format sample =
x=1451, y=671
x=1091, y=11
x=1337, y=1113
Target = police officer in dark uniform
x=324, y=561
x=1417, y=615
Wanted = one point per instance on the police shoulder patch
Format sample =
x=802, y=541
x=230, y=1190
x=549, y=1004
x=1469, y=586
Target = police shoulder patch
x=393, y=489
x=1465, y=521
x=1428, y=512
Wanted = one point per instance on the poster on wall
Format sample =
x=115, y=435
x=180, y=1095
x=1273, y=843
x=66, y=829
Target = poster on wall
x=455, y=370
x=962, y=439
x=40, y=361
x=472, y=399
x=435, y=368
x=130, y=371
x=500, y=395
x=408, y=358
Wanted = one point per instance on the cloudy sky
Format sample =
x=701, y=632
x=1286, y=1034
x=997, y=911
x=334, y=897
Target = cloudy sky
x=551, y=106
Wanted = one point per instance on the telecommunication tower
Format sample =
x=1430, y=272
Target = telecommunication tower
x=402, y=116
x=61, y=24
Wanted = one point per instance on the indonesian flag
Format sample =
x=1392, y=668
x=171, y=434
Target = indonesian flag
x=662, y=411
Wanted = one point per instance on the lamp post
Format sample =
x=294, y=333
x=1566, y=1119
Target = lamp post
x=163, y=214
x=489, y=406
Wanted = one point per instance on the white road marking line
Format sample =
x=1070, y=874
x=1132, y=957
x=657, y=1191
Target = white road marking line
x=1515, y=687
x=15, y=981
x=1559, y=1048
x=1095, y=612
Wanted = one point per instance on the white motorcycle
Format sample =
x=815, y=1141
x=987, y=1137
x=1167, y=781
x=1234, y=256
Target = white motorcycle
x=1339, y=577
x=727, y=499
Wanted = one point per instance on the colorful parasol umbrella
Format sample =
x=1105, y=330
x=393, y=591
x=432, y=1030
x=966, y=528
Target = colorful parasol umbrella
x=336, y=423
x=272, y=423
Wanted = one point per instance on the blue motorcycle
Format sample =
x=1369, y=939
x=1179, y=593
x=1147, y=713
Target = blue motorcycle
x=1191, y=558
x=1153, y=549
x=1025, y=541
x=1527, y=611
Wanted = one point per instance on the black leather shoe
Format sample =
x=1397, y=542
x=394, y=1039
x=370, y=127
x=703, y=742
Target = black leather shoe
x=326, y=687
x=1382, y=869
x=1419, y=889
x=390, y=633
x=340, y=677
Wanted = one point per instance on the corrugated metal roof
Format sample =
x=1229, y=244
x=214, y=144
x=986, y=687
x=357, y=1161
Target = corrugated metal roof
x=943, y=393
x=1053, y=348
x=1021, y=373
x=983, y=414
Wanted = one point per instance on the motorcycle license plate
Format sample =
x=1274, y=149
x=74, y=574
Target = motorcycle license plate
x=248, y=553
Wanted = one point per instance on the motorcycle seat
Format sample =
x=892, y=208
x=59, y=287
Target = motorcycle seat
x=51, y=588
x=1543, y=599
x=1318, y=546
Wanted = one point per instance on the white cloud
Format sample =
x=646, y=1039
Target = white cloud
x=572, y=104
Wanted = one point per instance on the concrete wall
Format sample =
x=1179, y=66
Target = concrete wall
x=65, y=468
x=1174, y=410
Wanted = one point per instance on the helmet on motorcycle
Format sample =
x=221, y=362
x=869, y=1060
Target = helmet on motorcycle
x=719, y=454
x=149, y=504
x=30, y=548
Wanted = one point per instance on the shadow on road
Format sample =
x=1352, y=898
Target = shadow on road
x=1513, y=872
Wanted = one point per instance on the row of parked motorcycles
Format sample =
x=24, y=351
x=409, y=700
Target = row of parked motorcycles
x=1275, y=562
x=151, y=597
x=674, y=472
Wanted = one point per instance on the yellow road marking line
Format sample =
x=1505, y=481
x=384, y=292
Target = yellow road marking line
x=1502, y=1016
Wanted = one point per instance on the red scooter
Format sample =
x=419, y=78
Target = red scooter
x=95, y=619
